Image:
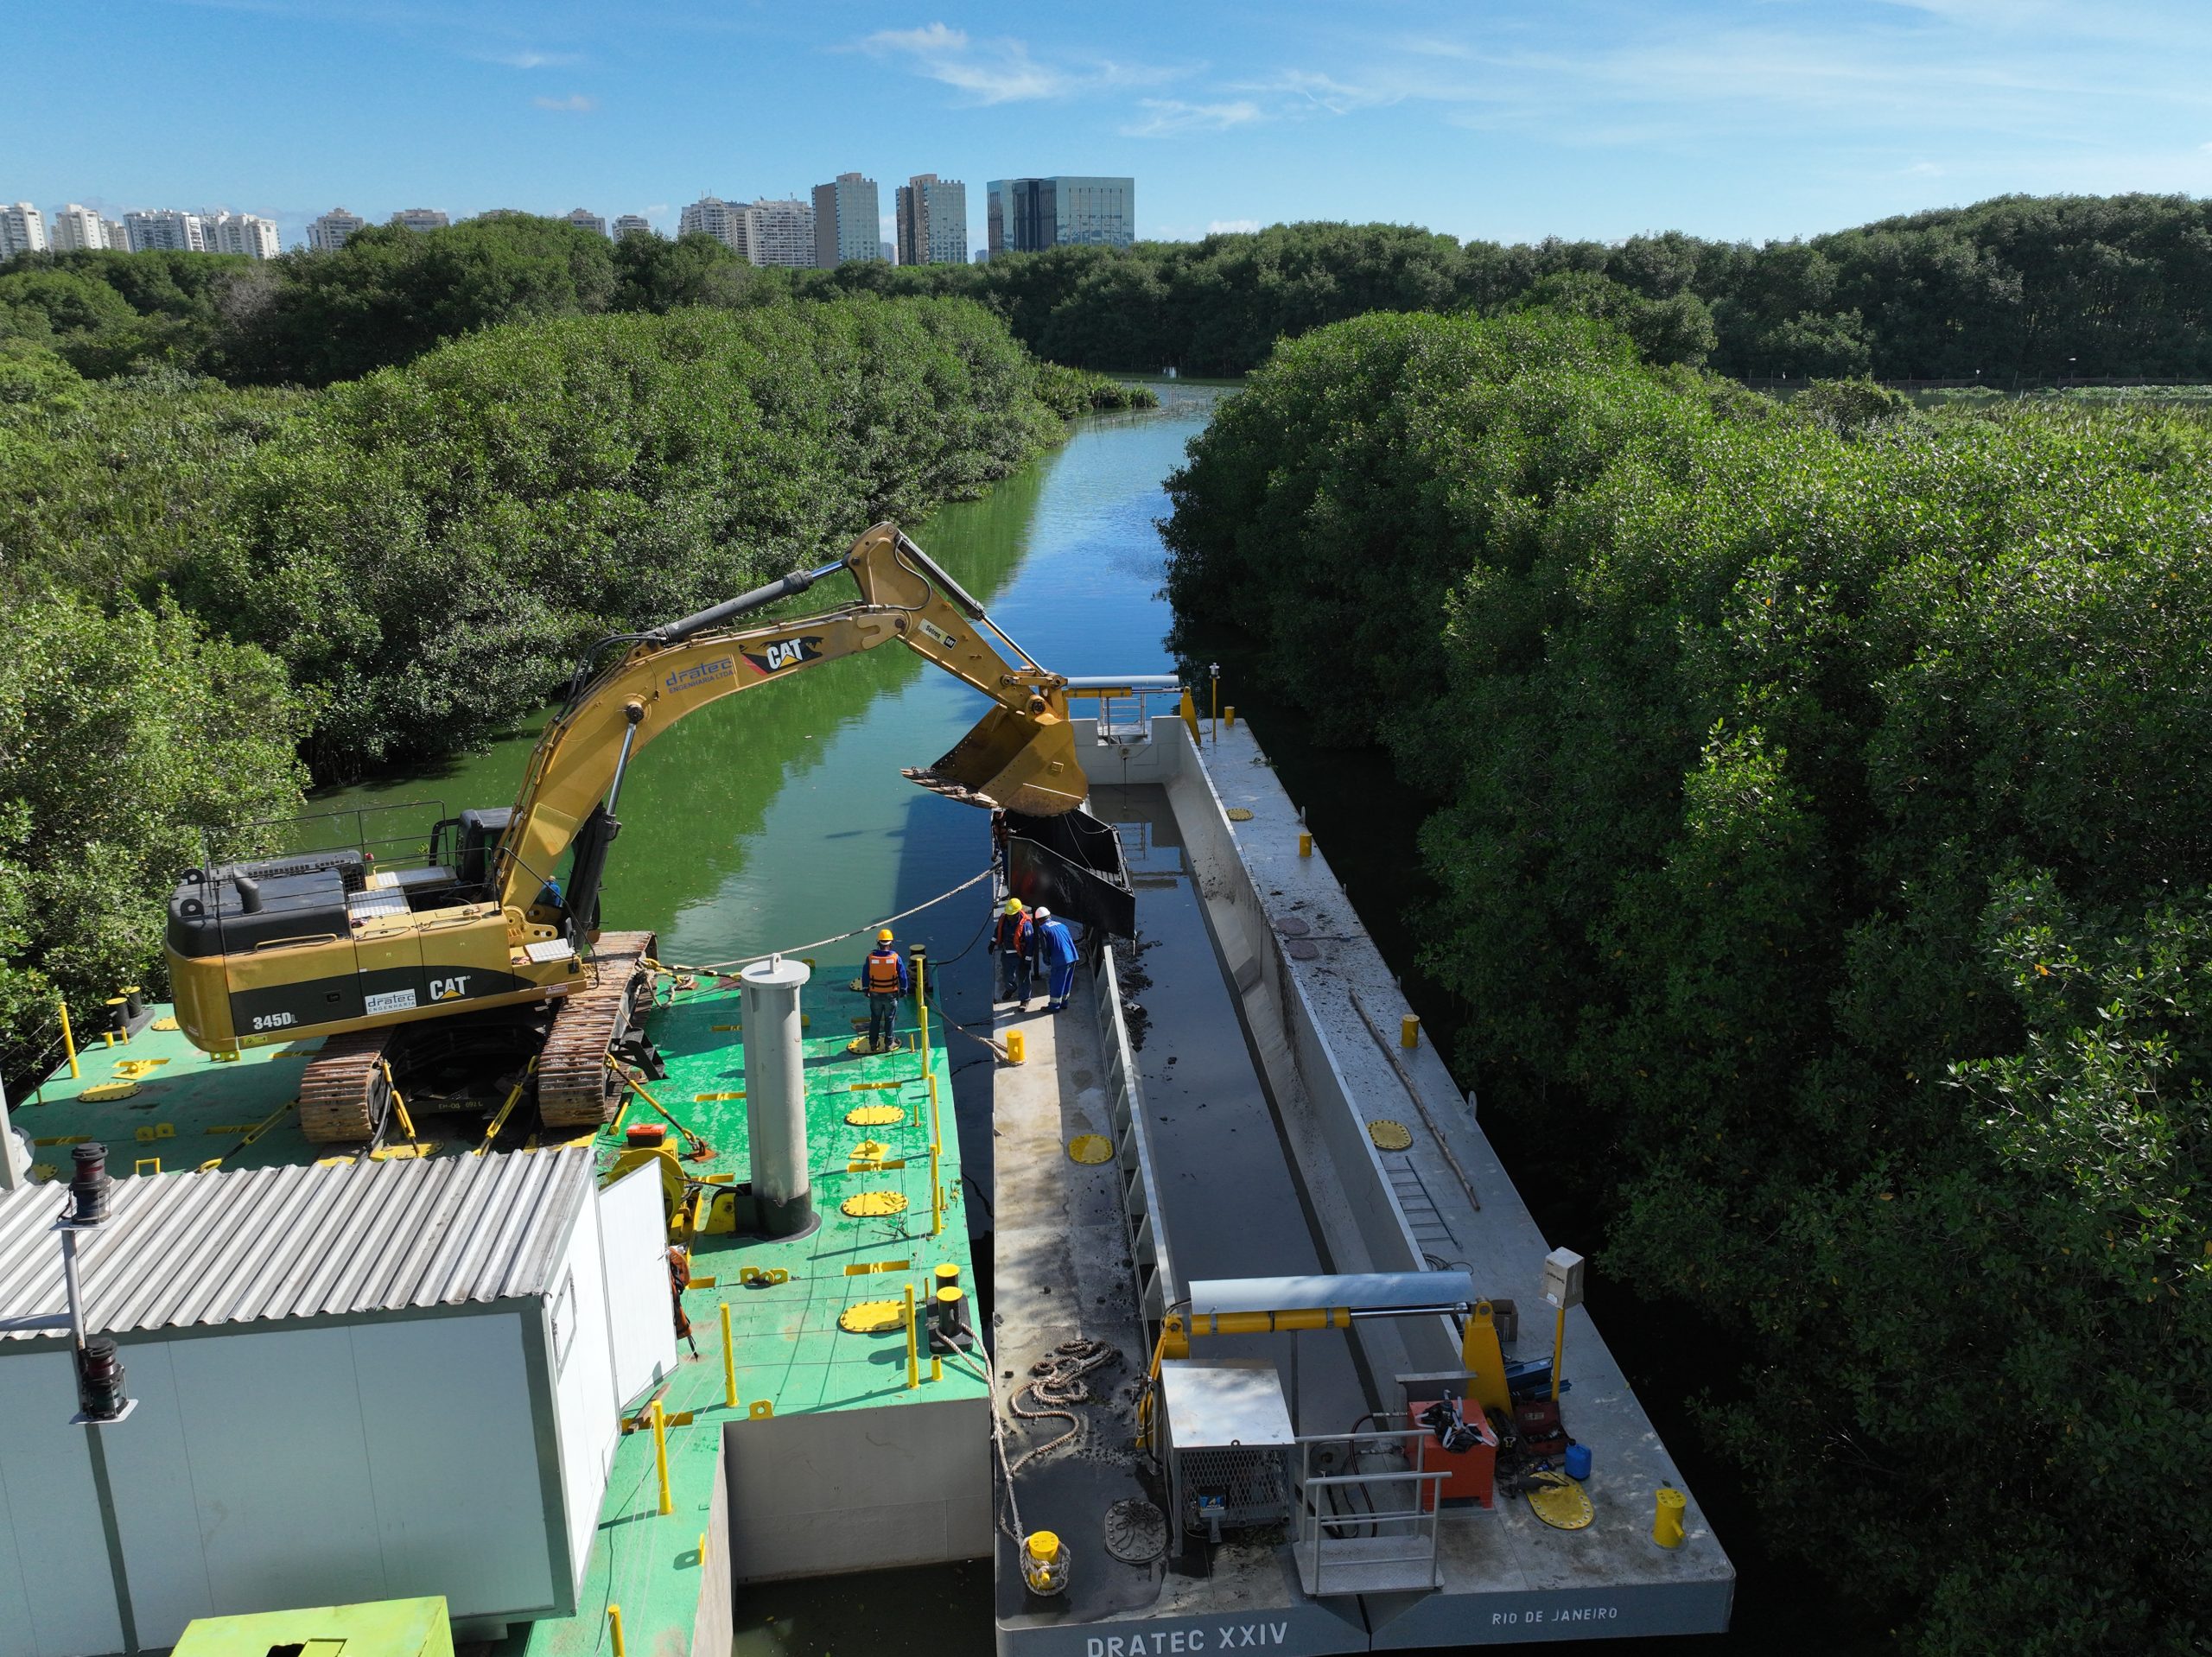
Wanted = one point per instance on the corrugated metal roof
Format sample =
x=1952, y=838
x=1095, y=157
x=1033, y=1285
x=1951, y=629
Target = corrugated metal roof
x=263, y=1243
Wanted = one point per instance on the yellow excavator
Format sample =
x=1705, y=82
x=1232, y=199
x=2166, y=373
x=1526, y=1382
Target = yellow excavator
x=484, y=949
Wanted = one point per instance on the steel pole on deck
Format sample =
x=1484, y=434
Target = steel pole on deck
x=8, y=1178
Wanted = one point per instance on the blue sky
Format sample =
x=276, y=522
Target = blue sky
x=1753, y=118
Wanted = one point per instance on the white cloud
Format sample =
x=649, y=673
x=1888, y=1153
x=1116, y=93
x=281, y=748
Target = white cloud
x=1167, y=116
x=995, y=72
x=575, y=104
x=1002, y=70
x=527, y=60
x=1230, y=226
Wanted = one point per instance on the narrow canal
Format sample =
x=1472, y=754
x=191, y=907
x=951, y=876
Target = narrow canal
x=771, y=820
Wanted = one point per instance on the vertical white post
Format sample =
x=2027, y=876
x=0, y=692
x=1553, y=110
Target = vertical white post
x=775, y=1095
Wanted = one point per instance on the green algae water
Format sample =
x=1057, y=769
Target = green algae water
x=777, y=817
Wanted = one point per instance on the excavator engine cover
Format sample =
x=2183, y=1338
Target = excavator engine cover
x=1015, y=761
x=1072, y=865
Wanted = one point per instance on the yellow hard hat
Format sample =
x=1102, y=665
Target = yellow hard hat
x=1014, y=905
x=884, y=936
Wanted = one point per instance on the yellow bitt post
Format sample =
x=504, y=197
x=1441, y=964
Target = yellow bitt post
x=913, y=1357
x=615, y=1627
x=729, y=1363
x=1667, y=1517
x=660, y=1457
x=1482, y=1357
x=69, y=1041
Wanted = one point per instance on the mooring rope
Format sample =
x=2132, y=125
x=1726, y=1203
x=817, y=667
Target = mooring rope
x=672, y=967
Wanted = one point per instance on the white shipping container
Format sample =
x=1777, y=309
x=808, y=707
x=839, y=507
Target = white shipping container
x=370, y=1381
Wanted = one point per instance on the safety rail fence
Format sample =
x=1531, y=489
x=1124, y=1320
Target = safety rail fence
x=1142, y=1216
x=1367, y=1533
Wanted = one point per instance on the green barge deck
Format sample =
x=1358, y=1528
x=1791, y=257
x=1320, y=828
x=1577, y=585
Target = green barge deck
x=837, y=1455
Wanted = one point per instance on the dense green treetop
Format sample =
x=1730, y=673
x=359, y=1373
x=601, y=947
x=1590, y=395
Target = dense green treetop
x=2020, y=289
x=1819, y=829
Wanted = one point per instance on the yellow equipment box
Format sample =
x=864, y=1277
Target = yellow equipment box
x=384, y=1628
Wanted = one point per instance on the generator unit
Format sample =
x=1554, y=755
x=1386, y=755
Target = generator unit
x=1229, y=1438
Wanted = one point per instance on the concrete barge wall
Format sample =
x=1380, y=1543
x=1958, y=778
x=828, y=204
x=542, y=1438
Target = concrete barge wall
x=1364, y=1227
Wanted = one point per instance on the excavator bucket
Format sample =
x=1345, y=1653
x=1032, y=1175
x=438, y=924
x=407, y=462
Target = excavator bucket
x=1017, y=762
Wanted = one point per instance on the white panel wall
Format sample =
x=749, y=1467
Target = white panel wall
x=583, y=1385
x=280, y=1468
x=156, y=1512
x=56, y=1598
x=635, y=1235
x=453, y=1461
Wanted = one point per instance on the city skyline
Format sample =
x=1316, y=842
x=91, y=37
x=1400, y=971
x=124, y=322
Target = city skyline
x=1589, y=119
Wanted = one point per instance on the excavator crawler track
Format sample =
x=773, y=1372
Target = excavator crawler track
x=576, y=1086
x=346, y=1090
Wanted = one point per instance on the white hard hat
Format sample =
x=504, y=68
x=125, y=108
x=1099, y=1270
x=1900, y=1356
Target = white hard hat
x=1044, y=914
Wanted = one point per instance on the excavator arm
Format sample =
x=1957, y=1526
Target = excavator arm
x=1021, y=756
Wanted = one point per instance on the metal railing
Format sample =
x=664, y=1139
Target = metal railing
x=1377, y=1531
x=1158, y=1287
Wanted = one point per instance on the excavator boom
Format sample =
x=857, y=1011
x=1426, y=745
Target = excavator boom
x=1021, y=755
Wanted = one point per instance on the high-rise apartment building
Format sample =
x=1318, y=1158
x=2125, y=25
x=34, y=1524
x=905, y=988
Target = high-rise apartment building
x=329, y=233
x=726, y=221
x=76, y=227
x=1027, y=215
x=847, y=222
x=583, y=219
x=782, y=233
x=165, y=231
x=240, y=233
x=631, y=224
x=416, y=218
x=932, y=220
x=23, y=230
x=118, y=234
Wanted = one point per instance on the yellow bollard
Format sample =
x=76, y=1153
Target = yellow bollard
x=922, y=1000
x=729, y=1363
x=1229, y=716
x=660, y=1457
x=937, y=1197
x=937, y=1367
x=913, y=1362
x=1409, y=1031
x=1305, y=844
x=69, y=1041
x=1559, y=1350
x=614, y=1626
x=1667, y=1517
x=1017, y=1049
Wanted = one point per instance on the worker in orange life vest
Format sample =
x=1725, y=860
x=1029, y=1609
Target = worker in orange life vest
x=1010, y=941
x=883, y=975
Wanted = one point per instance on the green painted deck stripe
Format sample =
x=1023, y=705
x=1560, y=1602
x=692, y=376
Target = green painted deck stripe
x=790, y=1351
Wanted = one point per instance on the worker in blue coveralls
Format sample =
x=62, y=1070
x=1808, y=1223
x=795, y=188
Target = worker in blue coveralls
x=883, y=975
x=1056, y=955
x=1010, y=942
